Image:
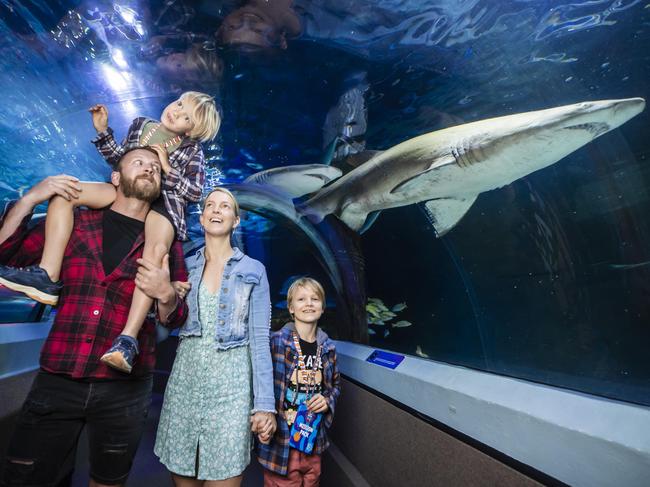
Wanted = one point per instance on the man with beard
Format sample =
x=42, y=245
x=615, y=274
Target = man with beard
x=101, y=267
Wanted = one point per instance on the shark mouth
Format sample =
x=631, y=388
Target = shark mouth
x=594, y=128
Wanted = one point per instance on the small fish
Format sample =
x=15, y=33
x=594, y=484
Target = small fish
x=386, y=333
x=623, y=267
x=399, y=307
x=372, y=308
x=402, y=324
x=371, y=331
x=247, y=154
x=420, y=353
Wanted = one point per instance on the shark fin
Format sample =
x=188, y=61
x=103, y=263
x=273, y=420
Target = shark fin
x=369, y=221
x=423, y=179
x=355, y=220
x=445, y=213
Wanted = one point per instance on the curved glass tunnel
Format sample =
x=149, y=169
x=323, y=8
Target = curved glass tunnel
x=516, y=247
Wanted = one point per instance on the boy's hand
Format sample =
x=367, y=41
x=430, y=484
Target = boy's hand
x=100, y=117
x=163, y=156
x=264, y=439
x=317, y=404
x=181, y=288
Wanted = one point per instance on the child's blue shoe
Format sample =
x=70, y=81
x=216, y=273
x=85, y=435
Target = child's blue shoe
x=32, y=281
x=122, y=353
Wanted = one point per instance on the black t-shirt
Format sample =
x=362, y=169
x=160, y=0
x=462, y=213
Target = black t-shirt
x=300, y=379
x=120, y=233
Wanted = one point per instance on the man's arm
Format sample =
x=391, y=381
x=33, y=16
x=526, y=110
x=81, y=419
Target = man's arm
x=16, y=216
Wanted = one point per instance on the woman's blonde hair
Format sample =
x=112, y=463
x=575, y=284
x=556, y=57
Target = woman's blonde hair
x=309, y=283
x=224, y=191
x=205, y=115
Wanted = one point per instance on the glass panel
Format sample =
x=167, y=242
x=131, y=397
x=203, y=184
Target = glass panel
x=530, y=259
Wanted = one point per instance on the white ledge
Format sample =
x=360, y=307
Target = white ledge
x=580, y=439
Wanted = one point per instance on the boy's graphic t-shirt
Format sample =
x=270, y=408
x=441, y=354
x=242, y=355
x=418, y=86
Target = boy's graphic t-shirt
x=300, y=382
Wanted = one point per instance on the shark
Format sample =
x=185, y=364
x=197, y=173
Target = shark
x=448, y=169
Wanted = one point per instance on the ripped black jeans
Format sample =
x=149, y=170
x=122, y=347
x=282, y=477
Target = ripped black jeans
x=44, y=444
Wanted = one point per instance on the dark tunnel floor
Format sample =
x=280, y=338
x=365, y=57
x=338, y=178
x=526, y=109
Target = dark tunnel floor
x=147, y=470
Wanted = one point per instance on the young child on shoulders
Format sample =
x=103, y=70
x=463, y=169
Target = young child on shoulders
x=176, y=138
x=304, y=371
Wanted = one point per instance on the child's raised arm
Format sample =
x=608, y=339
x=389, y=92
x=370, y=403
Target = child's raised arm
x=105, y=142
x=99, y=115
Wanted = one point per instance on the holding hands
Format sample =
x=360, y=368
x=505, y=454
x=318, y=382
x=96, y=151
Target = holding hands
x=264, y=425
x=99, y=115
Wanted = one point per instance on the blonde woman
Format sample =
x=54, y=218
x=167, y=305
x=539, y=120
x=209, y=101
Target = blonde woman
x=222, y=378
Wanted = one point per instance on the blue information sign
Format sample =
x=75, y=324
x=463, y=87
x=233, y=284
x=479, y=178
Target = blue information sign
x=385, y=359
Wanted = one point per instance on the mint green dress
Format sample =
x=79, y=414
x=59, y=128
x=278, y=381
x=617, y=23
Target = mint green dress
x=204, y=428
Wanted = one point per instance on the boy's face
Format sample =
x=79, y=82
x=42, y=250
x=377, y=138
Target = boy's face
x=306, y=306
x=177, y=116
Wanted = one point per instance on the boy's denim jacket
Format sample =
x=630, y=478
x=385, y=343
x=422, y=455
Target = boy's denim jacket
x=243, y=317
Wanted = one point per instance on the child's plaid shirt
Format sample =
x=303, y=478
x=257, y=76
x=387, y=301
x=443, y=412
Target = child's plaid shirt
x=182, y=185
x=275, y=456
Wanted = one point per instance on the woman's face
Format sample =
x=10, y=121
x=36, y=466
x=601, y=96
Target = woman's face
x=218, y=215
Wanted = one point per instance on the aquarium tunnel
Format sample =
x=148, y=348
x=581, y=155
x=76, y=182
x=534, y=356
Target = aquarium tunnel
x=468, y=180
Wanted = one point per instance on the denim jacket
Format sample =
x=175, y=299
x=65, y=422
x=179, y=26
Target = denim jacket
x=243, y=317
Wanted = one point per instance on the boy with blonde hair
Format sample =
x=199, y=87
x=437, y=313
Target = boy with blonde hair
x=305, y=372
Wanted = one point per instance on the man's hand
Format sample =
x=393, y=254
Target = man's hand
x=317, y=404
x=62, y=185
x=100, y=117
x=154, y=281
x=264, y=425
x=163, y=156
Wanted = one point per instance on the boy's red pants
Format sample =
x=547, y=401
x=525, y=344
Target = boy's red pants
x=303, y=471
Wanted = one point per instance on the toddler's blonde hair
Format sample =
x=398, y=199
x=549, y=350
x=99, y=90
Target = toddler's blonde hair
x=206, y=116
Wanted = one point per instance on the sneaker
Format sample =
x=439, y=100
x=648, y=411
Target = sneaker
x=122, y=353
x=32, y=281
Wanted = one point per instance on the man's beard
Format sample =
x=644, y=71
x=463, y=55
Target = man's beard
x=131, y=189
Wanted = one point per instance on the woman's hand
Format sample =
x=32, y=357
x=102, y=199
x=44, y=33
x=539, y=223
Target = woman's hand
x=100, y=117
x=163, y=156
x=182, y=288
x=317, y=404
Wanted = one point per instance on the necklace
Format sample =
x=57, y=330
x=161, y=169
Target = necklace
x=167, y=143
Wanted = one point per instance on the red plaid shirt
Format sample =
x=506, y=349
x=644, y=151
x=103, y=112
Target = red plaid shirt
x=93, y=307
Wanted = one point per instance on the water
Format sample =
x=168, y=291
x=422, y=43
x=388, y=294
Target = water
x=544, y=279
